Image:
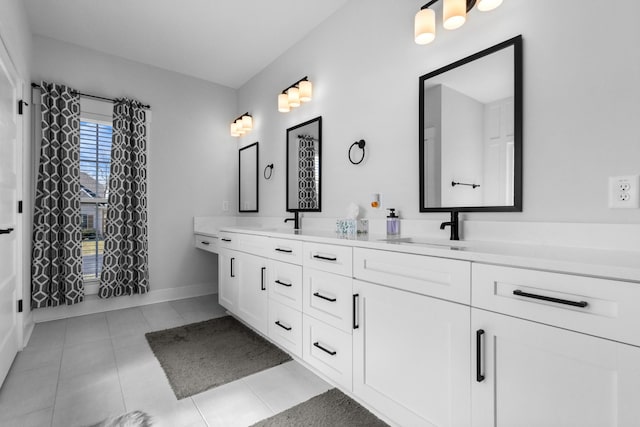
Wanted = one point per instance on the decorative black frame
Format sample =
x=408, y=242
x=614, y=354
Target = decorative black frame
x=289, y=130
x=255, y=144
x=516, y=42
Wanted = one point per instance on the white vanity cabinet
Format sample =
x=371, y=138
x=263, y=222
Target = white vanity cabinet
x=545, y=355
x=228, y=279
x=252, y=291
x=411, y=351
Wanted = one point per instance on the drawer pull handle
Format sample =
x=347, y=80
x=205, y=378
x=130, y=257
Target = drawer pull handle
x=205, y=243
x=286, y=328
x=316, y=294
x=262, y=286
x=581, y=304
x=286, y=251
x=6, y=230
x=225, y=240
x=356, y=297
x=231, y=268
x=330, y=352
x=479, y=375
x=288, y=285
x=325, y=258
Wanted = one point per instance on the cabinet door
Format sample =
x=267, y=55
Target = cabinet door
x=252, y=291
x=531, y=374
x=411, y=356
x=228, y=279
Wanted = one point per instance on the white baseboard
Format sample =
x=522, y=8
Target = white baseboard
x=92, y=304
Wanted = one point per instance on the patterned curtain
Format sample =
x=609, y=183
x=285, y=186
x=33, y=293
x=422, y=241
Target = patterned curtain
x=124, y=267
x=307, y=173
x=56, y=267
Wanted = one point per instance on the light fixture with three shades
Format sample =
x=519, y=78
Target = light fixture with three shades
x=454, y=15
x=294, y=95
x=242, y=125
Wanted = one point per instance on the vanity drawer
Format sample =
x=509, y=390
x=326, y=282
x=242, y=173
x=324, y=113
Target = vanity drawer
x=601, y=307
x=285, y=250
x=285, y=327
x=227, y=240
x=328, y=297
x=285, y=284
x=438, y=277
x=331, y=258
x=329, y=350
x=251, y=244
x=206, y=243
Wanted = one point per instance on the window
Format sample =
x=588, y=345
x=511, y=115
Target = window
x=95, y=166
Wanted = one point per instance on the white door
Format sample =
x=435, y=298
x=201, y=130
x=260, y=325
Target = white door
x=10, y=159
x=536, y=375
x=228, y=279
x=411, y=356
x=252, y=291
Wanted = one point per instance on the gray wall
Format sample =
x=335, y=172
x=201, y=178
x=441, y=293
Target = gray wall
x=581, y=108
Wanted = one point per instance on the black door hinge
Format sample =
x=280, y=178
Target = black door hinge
x=19, y=206
x=21, y=104
x=19, y=306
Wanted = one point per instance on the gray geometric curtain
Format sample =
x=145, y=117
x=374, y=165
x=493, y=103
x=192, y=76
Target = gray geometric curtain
x=307, y=173
x=56, y=270
x=125, y=268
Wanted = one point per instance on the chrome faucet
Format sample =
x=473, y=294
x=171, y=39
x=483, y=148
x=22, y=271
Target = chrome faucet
x=453, y=223
x=295, y=219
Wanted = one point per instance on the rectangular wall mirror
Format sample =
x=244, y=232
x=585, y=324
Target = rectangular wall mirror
x=304, y=142
x=470, y=147
x=248, y=178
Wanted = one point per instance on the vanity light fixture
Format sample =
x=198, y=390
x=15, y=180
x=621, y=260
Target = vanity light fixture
x=296, y=94
x=454, y=15
x=242, y=125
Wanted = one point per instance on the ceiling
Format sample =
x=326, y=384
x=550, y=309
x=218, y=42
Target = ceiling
x=222, y=41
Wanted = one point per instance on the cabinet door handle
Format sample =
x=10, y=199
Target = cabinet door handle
x=356, y=297
x=317, y=344
x=205, y=243
x=231, y=268
x=288, y=285
x=262, y=286
x=325, y=258
x=316, y=294
x=6, y=230
x=286, y=251
x=225, y=240
x=581, y=304
x=479, y=375
x=286, y=328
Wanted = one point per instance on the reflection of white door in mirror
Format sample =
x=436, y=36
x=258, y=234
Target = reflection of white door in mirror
x=248, y=178
x=498, y=153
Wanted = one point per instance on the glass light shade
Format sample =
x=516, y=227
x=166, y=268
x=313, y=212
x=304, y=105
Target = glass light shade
x=239, y=127
x=234, y=129
x=283, y=103
x=454, y=14
x=294, y=97
x=306, y=91
x=425, y=26
x=247, y=123
x=487, y=5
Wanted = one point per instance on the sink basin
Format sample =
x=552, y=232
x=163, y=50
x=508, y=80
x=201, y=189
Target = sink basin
x=424, y=242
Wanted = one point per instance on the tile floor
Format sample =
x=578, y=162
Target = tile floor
x=78, y=371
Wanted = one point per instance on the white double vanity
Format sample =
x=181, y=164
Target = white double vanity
x=482, y=334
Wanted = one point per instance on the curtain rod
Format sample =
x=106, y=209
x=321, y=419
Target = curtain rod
x=86, y=95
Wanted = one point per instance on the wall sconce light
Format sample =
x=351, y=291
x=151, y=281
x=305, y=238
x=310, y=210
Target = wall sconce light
x=296, y=94
x=454, y=15
x=242, y=125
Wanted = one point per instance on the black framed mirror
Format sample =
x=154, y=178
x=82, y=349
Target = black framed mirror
x=304, y=148
x=470, y=146
x=248, y=178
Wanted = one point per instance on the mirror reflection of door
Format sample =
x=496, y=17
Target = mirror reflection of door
x=470, y=145
x=248, y=178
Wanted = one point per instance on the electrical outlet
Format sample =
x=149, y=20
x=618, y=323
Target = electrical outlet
x=225, y=205
x=624, y=191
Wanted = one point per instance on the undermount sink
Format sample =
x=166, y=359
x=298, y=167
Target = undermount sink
x=424, y=242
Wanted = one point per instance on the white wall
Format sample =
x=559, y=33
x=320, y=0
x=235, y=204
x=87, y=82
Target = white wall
x=581, y=104
x=192, y=164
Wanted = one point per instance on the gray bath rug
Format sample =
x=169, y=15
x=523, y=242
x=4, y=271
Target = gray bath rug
x=330, y=409
x=207, y=354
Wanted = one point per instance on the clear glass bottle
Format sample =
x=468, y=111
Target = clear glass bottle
x=393, y=223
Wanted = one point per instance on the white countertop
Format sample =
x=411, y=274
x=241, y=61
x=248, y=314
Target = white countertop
x=614, y=264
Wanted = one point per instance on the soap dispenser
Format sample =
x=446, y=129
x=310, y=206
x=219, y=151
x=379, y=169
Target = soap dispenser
x=393, y=223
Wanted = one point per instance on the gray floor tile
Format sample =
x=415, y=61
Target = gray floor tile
x=88, y=357
x=162, y=316
x=41, y=418
x=84, y=329
x=28, y=391
x=36, y=357
x=129, y=321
